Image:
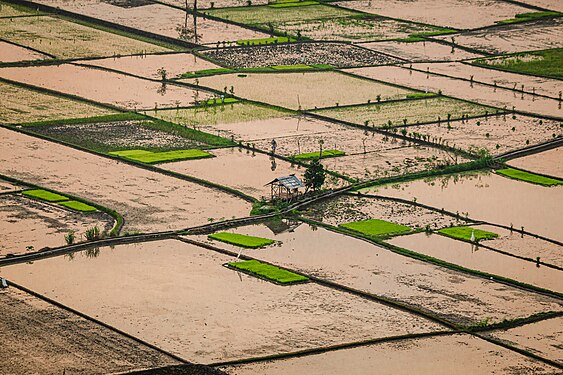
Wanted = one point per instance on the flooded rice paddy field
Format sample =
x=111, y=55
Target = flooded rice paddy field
x=475, y=92
x=542, y=338
x=452, y=295
x=451, y=354
x=216, y=4
x=203, y=311
x=459, y=14
x=489, y=197
x=546, y=4
x=303, y=90
x=127, y=92
x=148, y=65
x=12, y=53
x=21, y=105
x=27, y=222
x=474, y=257
x=518, y=37
x=149, y=201
x=65, y=39
x=64, y=342
x=346, y=209
x=161, y=20
x=547, y=162
x=421, y=51
x=496, y=134
x=334, y=54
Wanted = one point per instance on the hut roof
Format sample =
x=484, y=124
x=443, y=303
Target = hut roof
x=290, y=182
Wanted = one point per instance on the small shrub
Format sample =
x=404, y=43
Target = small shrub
x=92, y=233
x=70, y=237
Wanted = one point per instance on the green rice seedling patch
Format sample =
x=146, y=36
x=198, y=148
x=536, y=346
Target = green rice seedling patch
x=523, y=17
x=241, y=240
x=149, y=157
x=273, y=40
x=127, y=116
x=268, y=271
x=45, y=195
x=418, y=95
x=421, y=36
x=529, y=177
x=464, y=233
x=78, y=206
x=376, y=227
x=291, y=67
x=219, y=101
x=318, y=154
x=540, y=63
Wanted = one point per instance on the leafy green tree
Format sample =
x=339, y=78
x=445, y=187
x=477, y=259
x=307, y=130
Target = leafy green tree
x=314, y=175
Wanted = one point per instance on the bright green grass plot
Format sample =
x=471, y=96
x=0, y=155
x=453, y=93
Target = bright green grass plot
x=241, y=240
x=315, y=155
x=376, y=227
x=464, y=233
x=78, y=206
x=45, y=195
x=291, y=67
x=529, y=177
x=268, y=271
x=160, y=157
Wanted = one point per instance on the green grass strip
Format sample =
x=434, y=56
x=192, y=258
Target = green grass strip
x=279, y=39
x=78, y=206
x=421, y=95
x=268, y=271
x=529, y=177
x=127, y=116
x=219, y=101
x=291, y=67
x=420, y=37
x=464, y=233
x=293, y=4
x=315, y=155
x=375, y=227
x=149, y=157
x=522, y=17
x=45, y=195
x=241, y=240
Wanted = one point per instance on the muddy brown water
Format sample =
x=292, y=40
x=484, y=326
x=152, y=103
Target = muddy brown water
x=456, y=354
x=13, y=53
x=421, y=51
x=476, y=258
x=148, y=201
x=238, y=168
x=182, y=299
x=548, y=162
x=475, y=92
x=148, y=65
x=63, y=342
x=26, y=222
x=360, y=265
x=490, y=197
x=541, y=338
x=460, y=14
x=127, y=92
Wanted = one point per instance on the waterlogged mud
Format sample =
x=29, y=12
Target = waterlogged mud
x=421, y=51
x=477, y=258
x=541, y=338
x=149, y=65
x=335, y=54
x=58, y=341
x=29, y=225
x=13, y=53
x=7, y=187
x=203, y=311
x=303, y=90
x=454, y=296
x=490, y=197
x=460, y=14
x=127, y=92
x=346, y=209
x=148, y=201
x=455, y=354
x=547, y=162
x=476, y=92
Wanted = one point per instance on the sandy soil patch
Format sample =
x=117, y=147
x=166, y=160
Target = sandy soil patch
x=421, y=51
x=205, y=312
x=57, y=341
x=547, y=162
x=147, y=200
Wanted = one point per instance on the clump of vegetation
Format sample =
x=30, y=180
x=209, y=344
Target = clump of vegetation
x=92, y=234
x=149, y=157
x=318, y=154
x=45, y=195
x=78, y=206
x=70, y=237
x=465, y=233
x=268, y=271
x=277, y=39
x=529, y=177
x=376, y=227
x=241, y=240
x=418, y=95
